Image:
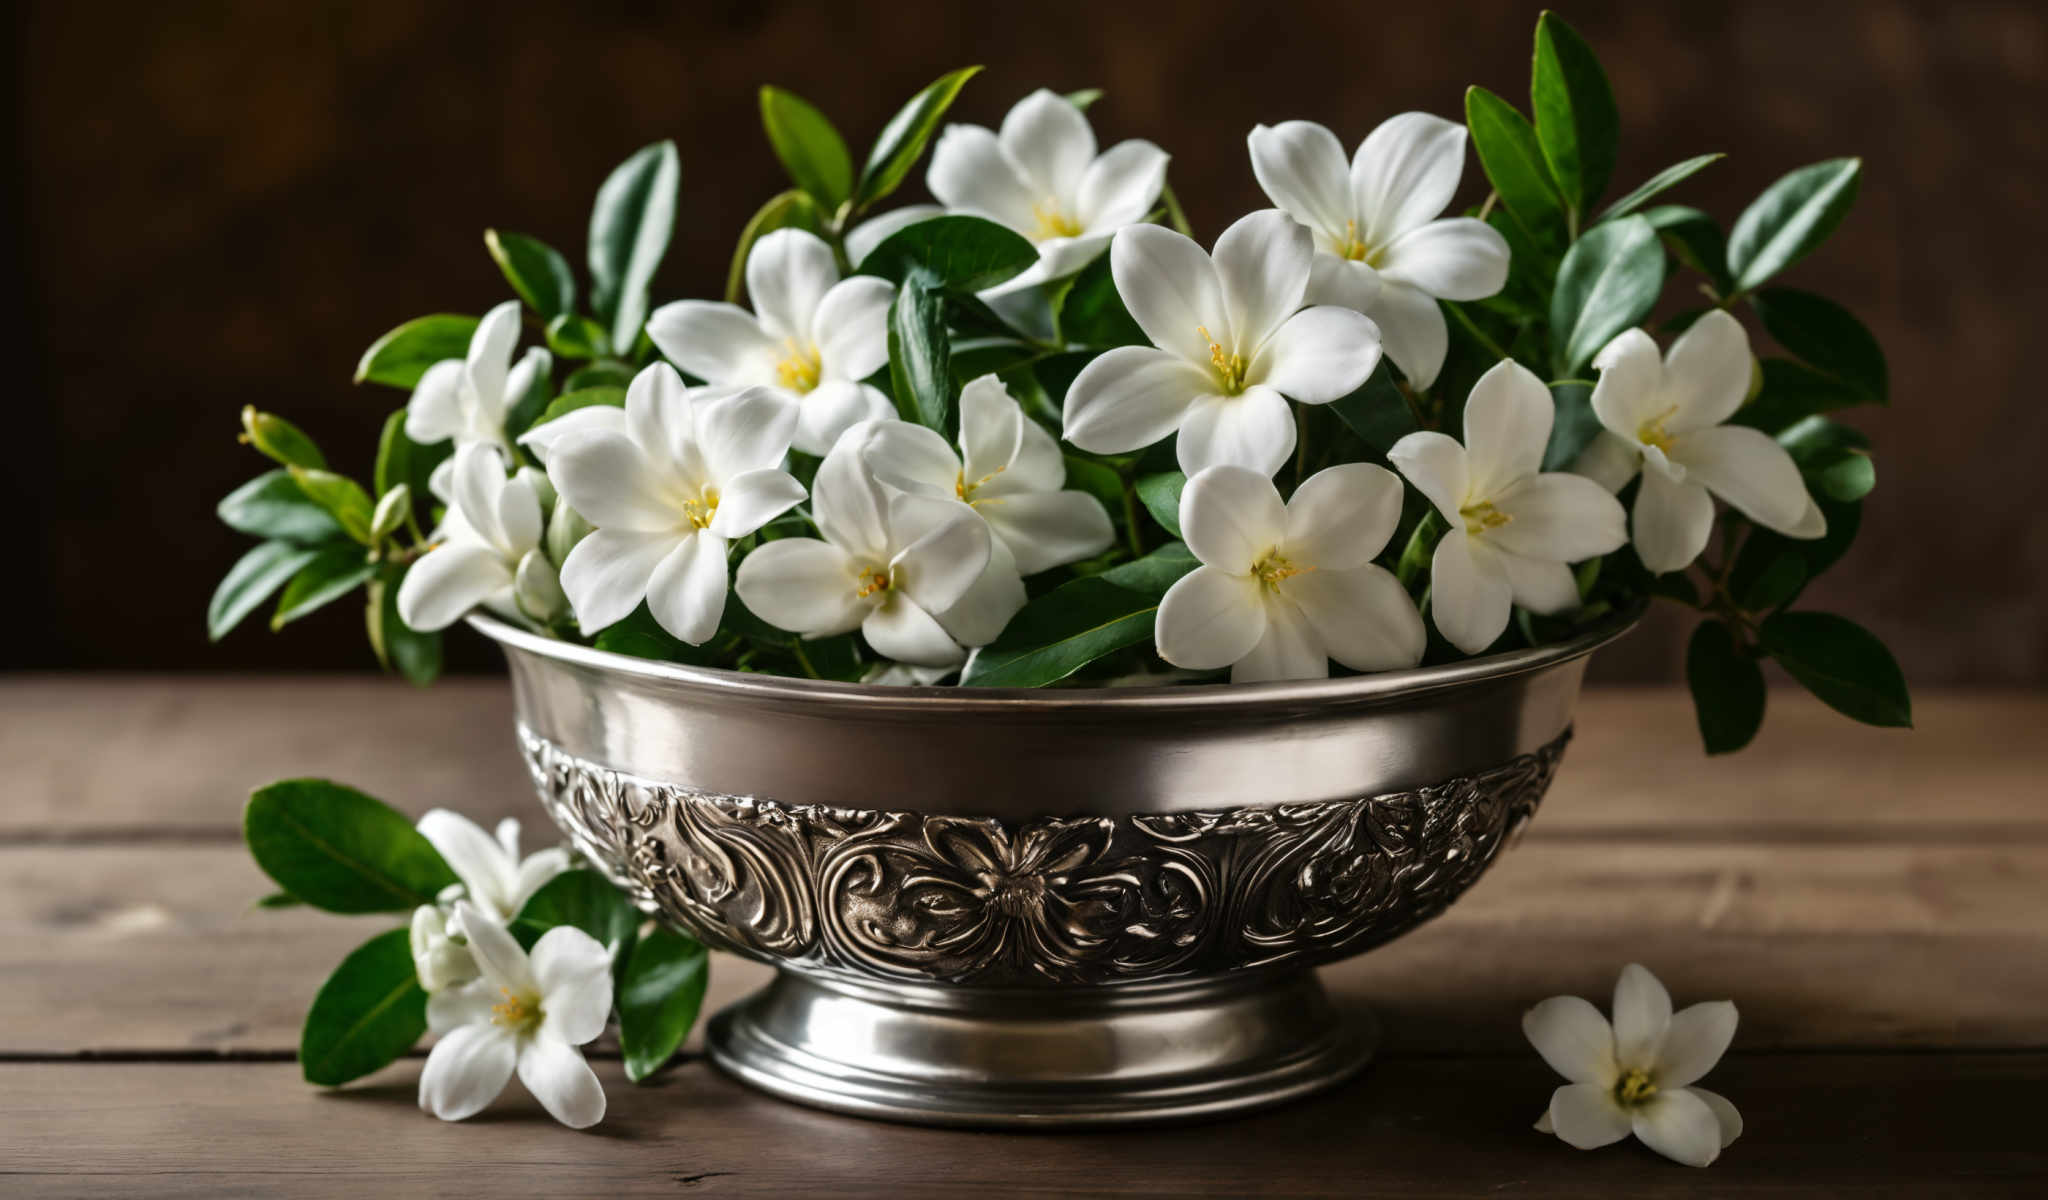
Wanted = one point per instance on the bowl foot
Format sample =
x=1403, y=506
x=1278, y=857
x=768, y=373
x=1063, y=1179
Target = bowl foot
x=1098, y=1056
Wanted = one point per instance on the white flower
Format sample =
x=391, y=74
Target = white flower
x=1636, y=1074
x=467, y=400
x=917, y=575
x=1008, y=470
x=667, y=485
x=1668, y=415
x=523, y=1013
x=1041, y=177
x=487, y=542
x=439, y=955
x=1283, y=589
x=1379, y=247
x=1232, y=348
x=493, y=876
x=812, y=336
x=1512, y=531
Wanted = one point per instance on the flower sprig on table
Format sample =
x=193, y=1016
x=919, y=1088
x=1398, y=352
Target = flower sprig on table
x=513, y=962
x=1361, y=428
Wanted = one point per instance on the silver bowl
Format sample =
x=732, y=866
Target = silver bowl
x=1086, y=906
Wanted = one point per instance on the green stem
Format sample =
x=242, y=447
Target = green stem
x=1174, y=214
x=1131, y=518
x=1488, y=343
x=804, y=660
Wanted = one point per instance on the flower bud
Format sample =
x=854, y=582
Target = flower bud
x=392, y=510
x=280, y=439
x=565, y=530
x=440, y=960
x=538, y=589
x=543, y=487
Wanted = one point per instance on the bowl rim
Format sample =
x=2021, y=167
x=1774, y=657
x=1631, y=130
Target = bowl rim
x=1372, y=688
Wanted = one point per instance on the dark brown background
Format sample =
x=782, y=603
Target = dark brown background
x=220, y=204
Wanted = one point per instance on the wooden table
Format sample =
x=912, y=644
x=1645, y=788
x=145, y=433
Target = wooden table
x=1876, y=904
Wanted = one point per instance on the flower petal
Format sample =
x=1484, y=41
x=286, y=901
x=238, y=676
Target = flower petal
x=1706, y=374
x=832, y=408
x=1254, y=429
x=903, y=630
x=686, y=593
x=1231, y=517
x=751, y=500
x=1300, y=166
x=1050, y=139
x=1507, y=427
x=1470, y=596
x=1642, y=1014
x=1129, y=398
x=574, y=971
x=434, y=413
x=1629, y=392
x=1574, y=1039
x=1609, y=460
x=1461, y=258
x=1342, y=282
x=608, y=478
x=849, y=504
x=1290, y=648
x=944, y=549
x=1412, y=330
x=1672, y=521
x=744, y=431
x=466, y=1070
x=914, y=458
x=1342, y=516
x=518, y=511
x=480, y=862
x=852, y=328
x=1697, y=1038
x=607, y=574
x=448, y=581
x=503, y=963
x=1725, y=1115
x=1118, y=188
x=1320, y=354
x=563, y=1083
x=718, y=343
x=1362, y=616
x=1559, y=517
x=1585, y=1115
x=542, y=439
x=978, y=617
x=1543, y=586
x=1679, y=1126
x=1047, y=529
x=1172, y=290
x=788, y=273
x=1747, y=468
x=1209, y=619
x=536, y=870
x=1438, y=467
x=971, y=172
x=490, y=354
x=469, y=1003
x=1262, y=263
x=1404, y=174
x=991, y=430
x=803, y=585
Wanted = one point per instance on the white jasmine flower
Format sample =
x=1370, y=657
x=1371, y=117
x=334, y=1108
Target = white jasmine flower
x=1008, y=470
x=1636, y=1074
x=488, y=541
x=1284, y=588
x=494, y=877
x=523, y=1013
x=467, y=399
x=439, y=955
x=1512, y=531
x=1231, y=348
x=1041, y=177
x=811, y=338
x=1668, y=415
x=667, y=489
x=920, y=577
x=1379, y=247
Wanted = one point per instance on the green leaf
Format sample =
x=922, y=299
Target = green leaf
x=639, y=635
x=1076, y=623
x=1793, y=215
x=339, y=850
x=1727, y=688
x=575, y=336
x=1793, y=392
x=333, y=572
x=787, y=210
x=1376, y=411
x=279, y=900
x=1421, y=546
x=810, y=149
x=1776, y=585
x=586, y=900
x=630, y=226
x=1763, y=547
x=903, y=139
x=1826, y=337
x=1096, y=479
x=341, y=497
x=568, y=402
x=1091, y=313
x=1847, y=477
x=1083, y=98
x=965, y=254
x=370, y=1011
x=535, y=270
x=1577, y=124
x=402, y=460
x=1160, y=495
x=1662, y=181
x=411, y=652
x=606, y=373
x=1575, y=426
x=400, y=357
x=1514, y=163
x=272, y=505
x=918, y=354
x=250, y=582
x=1694, y=239
x=279, y=439
x=660, y=993
x=1840, y=662
x=1609, y=280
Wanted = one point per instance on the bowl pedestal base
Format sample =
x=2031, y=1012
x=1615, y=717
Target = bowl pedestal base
x=1041, y=1058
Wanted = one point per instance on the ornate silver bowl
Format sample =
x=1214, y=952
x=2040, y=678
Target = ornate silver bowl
x=1041, y=907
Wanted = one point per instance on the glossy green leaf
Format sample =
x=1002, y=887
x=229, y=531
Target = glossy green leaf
x=919, y=370
x=1574, y=427
x=1761, y=550
x=1825, y=336
x=792, y=209
x=1662, y=181
x=402, y=460
x=1577, y=123
x=1840, y=662
x=964, y=253
x=400, y=357
x=1775, y=585
x=370, y=1011
x=1084, y=98
x=811, y=150
x=331, y=573
x=606, y=373
x=1727, y=688
x=272, y=505
x=535, y=270
x=1076, y=623
x=415, y=654
x=526, y=407
x=279, y=900
x=661, y=991
x=250, y=582
x=1793, y=215
x=903, y=139
x=1609, y=281
x=586, y=900
x=630, y=226
x=1091, y=313
x=568, y=402
x=1377, y=411
x=1694, y=239
x=575, y=336
x=1160, y=494
x=341, y=497
x=1514, y=163
x=1793, y=392
x=339, y=850
x=279, y=440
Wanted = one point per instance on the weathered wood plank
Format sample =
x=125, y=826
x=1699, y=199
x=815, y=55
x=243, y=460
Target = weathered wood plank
x=98, y=756
x=1849, y=1124
x=155, y=948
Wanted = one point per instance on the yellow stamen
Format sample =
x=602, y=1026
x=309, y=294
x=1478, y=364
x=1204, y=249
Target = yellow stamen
x=698, y=512
x=801, y=369
x=516, y=1012
x=1651, y=432
x=872, y=580
x=1275, y=567
x=1635, y=1088
x=1355, y=248
x=1229, y=367
x=1052, y=223
x=966, y=490
x=1483, y=516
